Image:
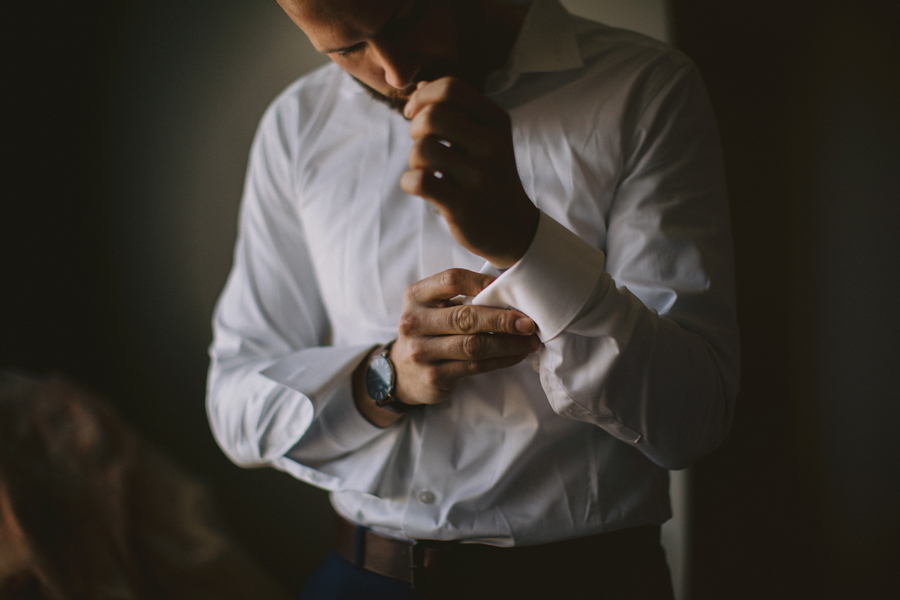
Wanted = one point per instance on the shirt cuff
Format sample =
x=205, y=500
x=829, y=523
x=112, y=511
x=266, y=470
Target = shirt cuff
x=323, y=375
x=552, y=282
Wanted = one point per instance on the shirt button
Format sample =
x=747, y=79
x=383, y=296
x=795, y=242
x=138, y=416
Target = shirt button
x=426, y=497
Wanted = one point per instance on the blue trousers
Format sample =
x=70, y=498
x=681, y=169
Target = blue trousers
x=337, y=578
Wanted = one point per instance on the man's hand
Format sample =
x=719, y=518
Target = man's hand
x=463, y=161
x=441, y=341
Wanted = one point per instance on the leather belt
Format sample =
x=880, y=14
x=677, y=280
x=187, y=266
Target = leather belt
x=398, y=559
x=411, y=561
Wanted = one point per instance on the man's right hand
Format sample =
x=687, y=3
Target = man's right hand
x=441, y=341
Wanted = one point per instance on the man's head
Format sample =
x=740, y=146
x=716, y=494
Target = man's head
x=390, y=45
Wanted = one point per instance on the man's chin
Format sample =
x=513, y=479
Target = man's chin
x=396, y=100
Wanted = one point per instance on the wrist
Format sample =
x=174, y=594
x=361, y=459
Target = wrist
x=374, y=385
x=519, y=240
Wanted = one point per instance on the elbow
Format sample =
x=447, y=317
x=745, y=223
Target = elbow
x=228, y=430
x=683, y=445
x=675, y=461
x=234, y=445
x=681, y=457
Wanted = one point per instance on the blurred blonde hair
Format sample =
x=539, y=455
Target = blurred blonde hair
x=88, y=510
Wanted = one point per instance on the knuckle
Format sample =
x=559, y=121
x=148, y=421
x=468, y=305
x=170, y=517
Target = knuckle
x=506, y=322
x=451, y=278
x=473, y=367
x=411, y=182
x=474, y=346
x=417, y=355
x=464, y=319
x=416, y=158
x=408, y=324
x=410, y=294
x=419, y=126
x=446, y=84
x=500, y=325
x=429, y=118
x=417, y=352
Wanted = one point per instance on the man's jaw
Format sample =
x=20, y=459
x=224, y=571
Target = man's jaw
x=396, y=100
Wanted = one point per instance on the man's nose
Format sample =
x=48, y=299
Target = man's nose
x=400, y=63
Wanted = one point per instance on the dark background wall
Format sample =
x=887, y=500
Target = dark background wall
x=121, y=184
x=126, y=131
x=801, y=500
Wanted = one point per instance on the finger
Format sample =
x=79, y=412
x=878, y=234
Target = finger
x=456, y=93
x=433, y=185
x=447, y=284
x=435, y=382
x=479, y=347
x=441, y=376
x=428, y=154
x=466, y=321
x=456, y=129
x=455, y=369
x=483, y=346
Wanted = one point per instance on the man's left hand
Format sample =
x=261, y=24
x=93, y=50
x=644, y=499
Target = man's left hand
x=463, y=161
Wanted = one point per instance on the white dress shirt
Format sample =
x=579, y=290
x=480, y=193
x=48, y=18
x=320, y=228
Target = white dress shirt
x=629, y=279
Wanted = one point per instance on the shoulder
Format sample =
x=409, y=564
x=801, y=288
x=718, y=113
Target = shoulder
x=623, y=75
x=607, y=45
x=635, y=63
x=306, y=99
x=628, y=77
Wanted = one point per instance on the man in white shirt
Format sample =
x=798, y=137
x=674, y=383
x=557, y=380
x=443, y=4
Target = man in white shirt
x=574, y=216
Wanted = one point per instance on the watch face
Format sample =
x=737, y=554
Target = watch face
x=379, y=378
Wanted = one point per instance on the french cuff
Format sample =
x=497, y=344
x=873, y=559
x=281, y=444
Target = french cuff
x=323, y=375
x=551, y=283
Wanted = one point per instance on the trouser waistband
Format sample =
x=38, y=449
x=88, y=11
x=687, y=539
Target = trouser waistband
x=413, y=562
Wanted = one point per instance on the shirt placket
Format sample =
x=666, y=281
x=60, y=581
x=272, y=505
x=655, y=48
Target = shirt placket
x=431, y=486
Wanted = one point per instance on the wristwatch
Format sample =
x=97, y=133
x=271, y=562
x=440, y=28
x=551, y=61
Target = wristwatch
x=381, y=377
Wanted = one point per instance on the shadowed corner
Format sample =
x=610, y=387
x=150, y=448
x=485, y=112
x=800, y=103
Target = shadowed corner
x=88, y=509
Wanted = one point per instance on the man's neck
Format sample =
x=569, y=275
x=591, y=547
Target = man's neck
x=498, y=25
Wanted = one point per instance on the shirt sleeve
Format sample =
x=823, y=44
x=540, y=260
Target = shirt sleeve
x=640, y=336
x=274, y=382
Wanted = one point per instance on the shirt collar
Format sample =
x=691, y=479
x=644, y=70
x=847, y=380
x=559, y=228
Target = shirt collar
x=547, y=42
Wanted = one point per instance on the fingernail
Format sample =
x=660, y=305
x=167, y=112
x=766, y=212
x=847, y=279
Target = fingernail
x=525, y=325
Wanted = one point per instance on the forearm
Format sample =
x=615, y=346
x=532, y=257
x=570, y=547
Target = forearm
x=645, y=379
x=665, y=384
